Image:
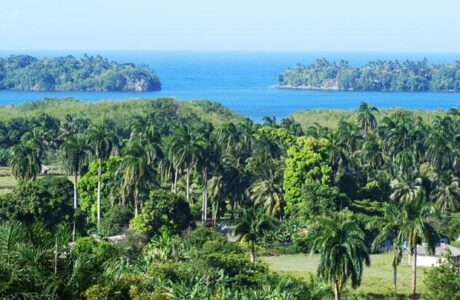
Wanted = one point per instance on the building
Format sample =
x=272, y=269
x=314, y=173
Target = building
x=427, y=260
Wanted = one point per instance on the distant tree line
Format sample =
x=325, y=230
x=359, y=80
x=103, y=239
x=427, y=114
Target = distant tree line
x=65, y=73
x=380, y=75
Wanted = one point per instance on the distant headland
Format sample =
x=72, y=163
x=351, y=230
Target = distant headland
x=67, y=73
x=407, y=76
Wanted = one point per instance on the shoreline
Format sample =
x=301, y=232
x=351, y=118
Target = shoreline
x=327, y=89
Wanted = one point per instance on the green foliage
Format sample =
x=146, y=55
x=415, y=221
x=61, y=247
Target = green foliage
x=116, y=220
x=374, y=76
x=164, y=211
x=5, y=157
x=46, y=200
x=110, y=189
x=306, y=162
x=65, y=73
x=443, y=282
x=340, y=242
x=94, y=253
x=318, y=199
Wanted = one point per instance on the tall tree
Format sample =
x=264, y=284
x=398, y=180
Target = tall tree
x=390, y=225
x=415, y=227
x=75, y=155
x=366, y=116
x=185, y=147
x=137, y=170
x=343, y=251
x=102, y=139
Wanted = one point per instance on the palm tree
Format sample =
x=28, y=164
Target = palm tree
x=267, y=190
x=137, y=170
x=366, y=116
x=185, y=147
x=390, y=225
x=406, y=189
x=250, y=225
x=343, y=251
x=102, y=138
x=207, y=158
x=447, y=195
x=75, y=155
x=25, y=161
x=415, y=226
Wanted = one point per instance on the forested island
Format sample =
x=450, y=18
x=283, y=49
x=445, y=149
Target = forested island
x=414, y=76
x=168, y=199
x=67, y=73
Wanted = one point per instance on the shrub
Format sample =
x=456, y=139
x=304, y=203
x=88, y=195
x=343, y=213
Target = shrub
x=47, y=199
x=164, y=211
x=116, y=220
x=443, y=282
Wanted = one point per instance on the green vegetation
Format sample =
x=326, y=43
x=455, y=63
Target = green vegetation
x=374, y=76
x=67, y=73
x=331, y=118
x=377, y=279
x=179, y=200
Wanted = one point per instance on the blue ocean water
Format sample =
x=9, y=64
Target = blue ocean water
x=243, y=81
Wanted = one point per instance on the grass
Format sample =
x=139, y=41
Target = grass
x=7, y=181
x=377, y=281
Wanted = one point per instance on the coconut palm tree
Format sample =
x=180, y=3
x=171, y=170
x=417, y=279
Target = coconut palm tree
x=75, y=155
x=415, y=227
x=343, y=251
x=267, y=190
x=366, y=116
x=251, y=224
x=447, y=194
x=406, y=189
x=102, y=139
x=25, y=161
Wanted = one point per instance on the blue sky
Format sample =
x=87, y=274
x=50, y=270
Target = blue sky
x=249, y=25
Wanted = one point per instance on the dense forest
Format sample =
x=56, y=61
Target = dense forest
x=166, y=202
x=67, y=73
x=380, y=75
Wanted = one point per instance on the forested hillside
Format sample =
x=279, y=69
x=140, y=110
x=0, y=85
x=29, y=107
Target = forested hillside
x=181, y=200
x=417, y=76
x=67, y=73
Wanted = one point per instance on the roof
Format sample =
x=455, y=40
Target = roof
x=440, y=250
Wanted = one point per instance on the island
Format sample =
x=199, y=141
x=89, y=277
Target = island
x=67, y=73
x=414, y=76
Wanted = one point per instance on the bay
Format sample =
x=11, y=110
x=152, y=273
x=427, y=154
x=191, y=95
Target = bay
x=243, y=81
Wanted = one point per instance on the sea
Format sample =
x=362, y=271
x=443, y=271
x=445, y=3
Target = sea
x=243, y=81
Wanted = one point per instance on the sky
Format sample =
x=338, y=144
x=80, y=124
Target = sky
x=231, y=25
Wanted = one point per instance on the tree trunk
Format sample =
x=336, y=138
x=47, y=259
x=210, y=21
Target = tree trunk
x=187, y=171
x=414, y=275
x=75, y=202
x=395, y=277
x=176, y=174
x=253, y=251
x=99, y=174
x=204, y=213
x=216, y=212
x=55, y=255
x=136, y=201
x=337, y=290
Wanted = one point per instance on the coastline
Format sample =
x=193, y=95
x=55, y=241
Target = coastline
x=337, y=89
